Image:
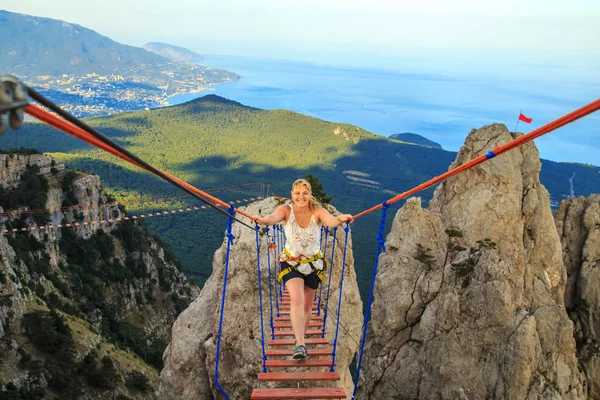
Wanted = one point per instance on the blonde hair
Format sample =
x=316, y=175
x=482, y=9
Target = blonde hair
x=314, y=203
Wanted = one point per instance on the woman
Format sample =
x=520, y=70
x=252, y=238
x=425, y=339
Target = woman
x=302, y=222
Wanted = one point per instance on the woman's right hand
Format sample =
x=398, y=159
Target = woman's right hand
x=273, y=218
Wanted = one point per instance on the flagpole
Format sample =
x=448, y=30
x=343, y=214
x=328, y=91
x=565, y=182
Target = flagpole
x=520, y=112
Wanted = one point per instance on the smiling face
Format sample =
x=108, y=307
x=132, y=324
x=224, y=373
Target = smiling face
x=301, y=195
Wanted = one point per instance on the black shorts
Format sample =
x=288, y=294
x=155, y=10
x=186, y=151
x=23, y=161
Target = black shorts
x=311, y=280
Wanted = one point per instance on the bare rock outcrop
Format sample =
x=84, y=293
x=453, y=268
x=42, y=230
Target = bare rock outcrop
x=578, y=224
x=107, y=279
x=468, y=303
x=189, y=371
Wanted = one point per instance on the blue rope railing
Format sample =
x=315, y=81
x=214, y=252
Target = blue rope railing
x=321, y=239
x=262, y=327
x=380, y=249
x=282, y=240
x=230, y=238
x=279, y=251
x=270, y=279
x=329, y=282
x=337, y=325
x=320, y=248
x=279, y=291
x=324, y=258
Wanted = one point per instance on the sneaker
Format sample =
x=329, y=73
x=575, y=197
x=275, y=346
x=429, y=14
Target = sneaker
x=299, y=352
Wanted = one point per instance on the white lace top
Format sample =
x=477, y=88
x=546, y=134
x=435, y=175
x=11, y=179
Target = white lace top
x=305, y=241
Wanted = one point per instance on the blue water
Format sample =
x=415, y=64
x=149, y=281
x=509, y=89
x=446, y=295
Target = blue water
x=440, y=105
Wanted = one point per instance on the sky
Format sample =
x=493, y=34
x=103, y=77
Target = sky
x=529, y=42
x=309, y=29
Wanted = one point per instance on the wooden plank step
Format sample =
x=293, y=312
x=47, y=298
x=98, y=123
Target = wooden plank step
x=307, y=362
x=312, y=352
x=291, y=333
x=287, y=301
x=297, y=393
x=298, y=376
x=287, y=306
x=287, y=312
x=291, y=342
x=313, y=318
x=289, y=325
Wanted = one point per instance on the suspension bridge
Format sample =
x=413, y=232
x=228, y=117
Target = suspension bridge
x=274, y=357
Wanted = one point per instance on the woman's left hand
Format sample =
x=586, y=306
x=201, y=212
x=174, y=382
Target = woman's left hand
x=345, y=218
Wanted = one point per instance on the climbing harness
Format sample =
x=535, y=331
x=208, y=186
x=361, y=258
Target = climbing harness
x=302, y=259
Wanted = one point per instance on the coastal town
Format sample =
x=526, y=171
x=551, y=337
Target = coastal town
x=137, y=88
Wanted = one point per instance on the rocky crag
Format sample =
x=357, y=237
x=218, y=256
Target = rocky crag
x=469, y=299
x=578, y=225
x=86, y=310
x=189, y=371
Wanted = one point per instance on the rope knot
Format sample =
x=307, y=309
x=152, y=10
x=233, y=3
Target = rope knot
x=230, y=237
x=381, y=241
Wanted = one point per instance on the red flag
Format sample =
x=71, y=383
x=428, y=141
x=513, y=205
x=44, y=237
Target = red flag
x=524, y=118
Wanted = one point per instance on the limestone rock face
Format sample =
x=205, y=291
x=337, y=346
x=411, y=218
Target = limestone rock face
x=578, y=224
x=13, y=165
x=468, y=302
x=146, y=290
x=189, y=371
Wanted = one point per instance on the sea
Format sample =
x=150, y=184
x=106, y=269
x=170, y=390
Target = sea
x=440, y=102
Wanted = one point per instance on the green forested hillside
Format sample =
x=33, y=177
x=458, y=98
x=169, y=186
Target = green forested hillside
x=214, y=142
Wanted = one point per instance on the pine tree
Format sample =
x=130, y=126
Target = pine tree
x=317, y=189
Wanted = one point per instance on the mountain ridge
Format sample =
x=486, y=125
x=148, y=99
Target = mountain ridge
x=214, y=142
x=90, y=74
x=415, y=138
x=67, y=38
x=172, y=52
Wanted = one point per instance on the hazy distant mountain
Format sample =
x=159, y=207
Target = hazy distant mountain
x=414, y=138
x=173, y=52
x=89, y=74
x=32, y=46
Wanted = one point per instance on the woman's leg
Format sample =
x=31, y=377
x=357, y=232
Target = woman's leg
x=295, y=288
x=309, y=295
